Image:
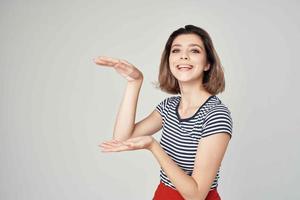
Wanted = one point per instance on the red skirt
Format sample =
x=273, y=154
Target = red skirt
x=164, y=192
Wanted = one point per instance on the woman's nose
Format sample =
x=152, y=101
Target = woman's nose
x=184, y=56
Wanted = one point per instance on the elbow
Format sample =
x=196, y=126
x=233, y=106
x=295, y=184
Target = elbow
x=119, y=137
x=122, y=137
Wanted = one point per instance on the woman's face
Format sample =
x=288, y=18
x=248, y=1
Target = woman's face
x=188, y=58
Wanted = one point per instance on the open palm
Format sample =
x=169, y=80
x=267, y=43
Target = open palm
x=142, y=142
x=127, y=70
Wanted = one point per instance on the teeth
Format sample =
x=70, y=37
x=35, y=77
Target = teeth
x=184, y=66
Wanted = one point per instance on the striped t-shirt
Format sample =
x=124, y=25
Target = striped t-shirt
x=180, y=137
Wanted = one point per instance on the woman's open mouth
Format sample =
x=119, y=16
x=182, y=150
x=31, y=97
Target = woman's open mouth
x=184, y=67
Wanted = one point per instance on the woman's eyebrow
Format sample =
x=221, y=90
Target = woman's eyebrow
x=190, y=45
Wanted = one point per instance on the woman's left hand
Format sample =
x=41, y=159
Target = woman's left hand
x=142, y=142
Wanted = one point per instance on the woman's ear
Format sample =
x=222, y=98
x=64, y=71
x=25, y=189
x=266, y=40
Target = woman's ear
x=206, y=68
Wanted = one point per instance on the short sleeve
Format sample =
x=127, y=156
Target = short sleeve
x=218, y=120
x=162, y=106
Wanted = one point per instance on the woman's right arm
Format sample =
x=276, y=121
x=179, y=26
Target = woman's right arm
x=125, y=126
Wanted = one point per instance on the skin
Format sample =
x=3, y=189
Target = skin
x=210, y=150
x=189, y=49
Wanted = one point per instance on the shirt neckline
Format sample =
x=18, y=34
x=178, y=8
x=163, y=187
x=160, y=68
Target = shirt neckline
x=187, y=119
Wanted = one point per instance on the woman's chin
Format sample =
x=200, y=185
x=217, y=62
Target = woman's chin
x=188, y=80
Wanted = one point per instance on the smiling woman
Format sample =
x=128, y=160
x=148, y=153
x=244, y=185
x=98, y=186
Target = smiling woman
x=187, y=55
x=196, y=125
x=186, y=45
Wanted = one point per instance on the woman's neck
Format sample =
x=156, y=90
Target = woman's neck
x=192, y=95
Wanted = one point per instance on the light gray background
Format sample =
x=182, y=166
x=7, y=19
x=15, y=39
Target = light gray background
x=57, y=105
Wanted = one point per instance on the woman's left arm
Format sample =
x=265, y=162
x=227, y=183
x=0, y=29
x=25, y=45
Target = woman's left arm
x=208, y=159
x=210, y=153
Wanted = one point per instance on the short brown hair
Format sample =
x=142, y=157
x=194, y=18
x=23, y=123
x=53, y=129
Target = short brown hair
x=213, y=79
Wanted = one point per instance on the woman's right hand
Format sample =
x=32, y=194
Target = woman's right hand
x=127, y=70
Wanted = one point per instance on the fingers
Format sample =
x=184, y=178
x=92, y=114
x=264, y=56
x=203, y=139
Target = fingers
x=125, y=62
x=121, y=66
x=111, y=143
x=106, y=61
x=115, y=149
x=123, y=69
x=108, y=148
x=127, y=70
x=114, y=146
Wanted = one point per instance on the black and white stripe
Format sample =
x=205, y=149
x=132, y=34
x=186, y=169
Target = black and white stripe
x=180, y=137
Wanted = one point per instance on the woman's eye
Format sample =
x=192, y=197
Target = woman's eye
x=193, y=50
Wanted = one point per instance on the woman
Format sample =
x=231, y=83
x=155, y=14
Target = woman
x=197, y=126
